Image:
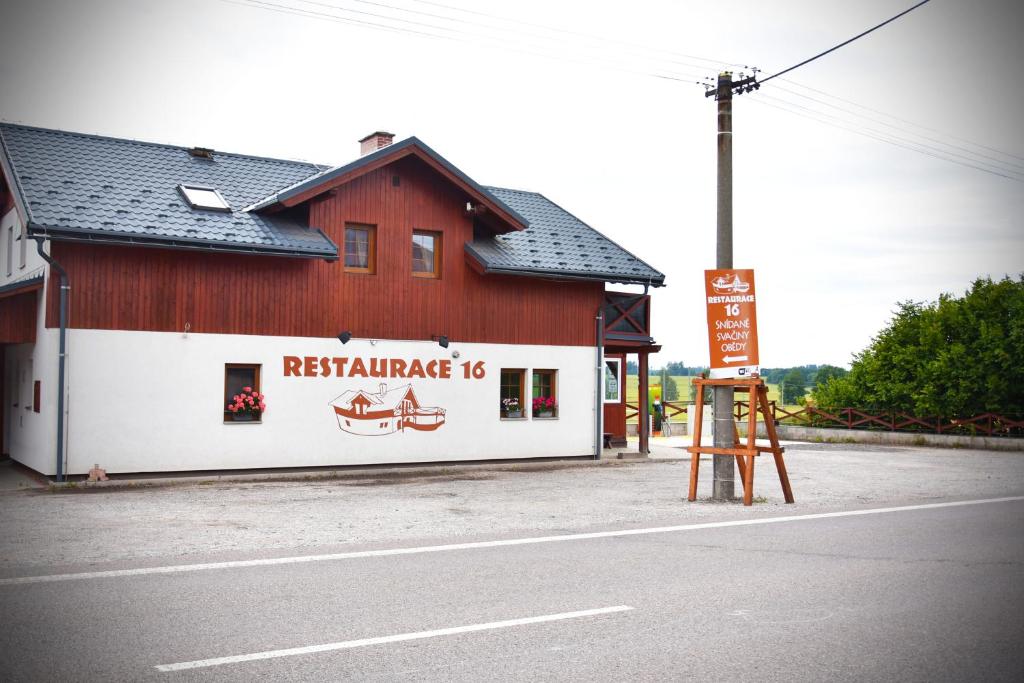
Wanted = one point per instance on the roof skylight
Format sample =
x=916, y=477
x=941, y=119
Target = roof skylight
x=204, y=198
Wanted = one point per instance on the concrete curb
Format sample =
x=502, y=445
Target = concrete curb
x=821, y=434
x=383, y=474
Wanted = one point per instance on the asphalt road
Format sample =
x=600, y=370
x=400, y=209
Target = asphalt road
x=926, y=594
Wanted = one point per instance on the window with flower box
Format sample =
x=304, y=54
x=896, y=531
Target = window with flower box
x=544, y=401
x=512, y=395
x=243, y=399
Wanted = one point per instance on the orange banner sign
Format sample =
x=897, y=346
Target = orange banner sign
x=732, y=323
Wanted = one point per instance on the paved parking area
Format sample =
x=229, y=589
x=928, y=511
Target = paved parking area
x=217, y=520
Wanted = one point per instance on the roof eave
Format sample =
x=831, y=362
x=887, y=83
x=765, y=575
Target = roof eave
x=185, y=244
x=613, y=278
x=18, y=287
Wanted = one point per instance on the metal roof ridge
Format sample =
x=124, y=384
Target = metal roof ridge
x=512, y=189
x=273, y=198
x=150, y=143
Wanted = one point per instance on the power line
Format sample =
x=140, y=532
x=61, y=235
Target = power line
x=845, y=42
x=637, y=49
x=717, y=62
x=902, y=120
x=1010, y=166
x=451, y=34
x=889, y=137
x=597, y=42
x=879, y=136
x=384, y=22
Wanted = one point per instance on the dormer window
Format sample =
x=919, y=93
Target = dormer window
x=204, y=198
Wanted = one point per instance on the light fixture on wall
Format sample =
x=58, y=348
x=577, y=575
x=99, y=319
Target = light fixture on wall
x=343, y=337
x=442, y=340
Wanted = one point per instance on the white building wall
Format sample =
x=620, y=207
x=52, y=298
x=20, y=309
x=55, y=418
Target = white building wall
x=31, y=437
x=11, y=227
x=153, y=401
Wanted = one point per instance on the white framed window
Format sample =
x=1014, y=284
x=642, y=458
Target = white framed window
x=612, y=380
x=24, y=246
x=199, y=197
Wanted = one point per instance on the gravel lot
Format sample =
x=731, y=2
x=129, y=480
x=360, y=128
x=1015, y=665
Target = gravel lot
x=79, y=529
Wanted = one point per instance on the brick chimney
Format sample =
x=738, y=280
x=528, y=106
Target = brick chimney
x=375, y=141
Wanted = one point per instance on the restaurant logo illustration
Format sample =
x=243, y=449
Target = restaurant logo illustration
x=373, y=408
x=723, y=285
x=386, y=411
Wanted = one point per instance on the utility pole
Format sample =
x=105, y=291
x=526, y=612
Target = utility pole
x=723, y=487
x=724, y=469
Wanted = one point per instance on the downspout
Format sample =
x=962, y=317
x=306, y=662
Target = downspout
x=64, y=289
x=598, y=388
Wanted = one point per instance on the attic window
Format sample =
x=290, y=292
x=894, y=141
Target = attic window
x=204, y=198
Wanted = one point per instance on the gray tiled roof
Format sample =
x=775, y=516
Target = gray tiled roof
x=87, y=187
x=92, y=187
x=557, y=244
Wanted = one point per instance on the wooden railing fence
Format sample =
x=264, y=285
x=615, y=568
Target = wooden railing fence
x=985, y=424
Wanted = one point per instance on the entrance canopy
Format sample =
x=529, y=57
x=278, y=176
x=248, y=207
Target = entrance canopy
x=18, y=309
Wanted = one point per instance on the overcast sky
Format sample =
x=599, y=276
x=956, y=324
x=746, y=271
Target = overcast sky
x=558, y=97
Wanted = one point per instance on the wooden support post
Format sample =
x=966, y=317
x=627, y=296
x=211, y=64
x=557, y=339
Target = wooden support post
x=773, y=438
x=695, y=435
x=744, y=454
x=642, y=430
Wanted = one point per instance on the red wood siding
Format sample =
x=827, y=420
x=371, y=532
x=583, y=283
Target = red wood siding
x=18, y=319
x=156, y=289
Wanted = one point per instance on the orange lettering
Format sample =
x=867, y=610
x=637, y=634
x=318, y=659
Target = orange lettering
x=309, y=366
x=339, y=366
x=358, y=368
x=416, y=368
x=325, y=367
x=291, y=366
x=446, y=369
x=397, y=367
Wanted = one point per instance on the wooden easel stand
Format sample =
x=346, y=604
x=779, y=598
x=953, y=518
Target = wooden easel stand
x=745, y=454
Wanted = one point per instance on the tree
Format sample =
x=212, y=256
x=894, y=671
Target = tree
x=669, y=389
x=956, y=357
x=632, y=368
x=793, y=386
x=827, y=372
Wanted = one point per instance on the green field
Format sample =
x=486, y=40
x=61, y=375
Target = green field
x=683, y=384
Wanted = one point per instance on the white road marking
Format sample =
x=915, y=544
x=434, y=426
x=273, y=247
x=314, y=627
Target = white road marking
x=415, y=550
x=363, y=642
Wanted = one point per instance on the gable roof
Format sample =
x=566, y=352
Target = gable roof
x=557, y=244
x=80, y=187
x=332, y=177
x=73, y=186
